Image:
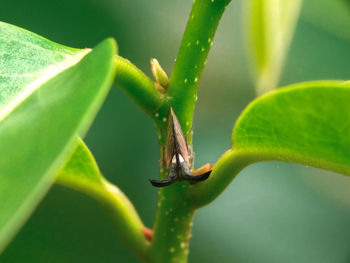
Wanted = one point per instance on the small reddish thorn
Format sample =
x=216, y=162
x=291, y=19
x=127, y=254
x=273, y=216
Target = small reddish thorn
x=148, y=233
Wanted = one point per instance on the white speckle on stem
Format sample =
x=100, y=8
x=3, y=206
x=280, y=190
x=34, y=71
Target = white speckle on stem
x=172, y=250
x=197, y=42
x=164, y=119
x=203, y=49
x=196, y=79
x=157, y=115
x=185, y=81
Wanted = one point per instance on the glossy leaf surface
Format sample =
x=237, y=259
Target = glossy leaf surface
x=49, y=95
x=306, y=123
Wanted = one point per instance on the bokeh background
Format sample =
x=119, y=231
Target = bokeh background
x=272, y=212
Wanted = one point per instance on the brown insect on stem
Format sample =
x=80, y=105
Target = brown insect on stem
x=177, y=156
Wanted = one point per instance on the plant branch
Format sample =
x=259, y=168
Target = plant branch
x=172, y=229
x=139, y=87
x=233, y=161
x=224, y=171
x=175, y=211
x=81, y=174
x=123, y=213
x=196, y=43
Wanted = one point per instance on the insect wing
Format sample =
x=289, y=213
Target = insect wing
x=170, y=142
x=179, y=138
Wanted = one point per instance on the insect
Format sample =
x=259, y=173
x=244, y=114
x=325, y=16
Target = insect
x=177, y=156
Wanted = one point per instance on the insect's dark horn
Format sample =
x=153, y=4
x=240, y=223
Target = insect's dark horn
x=161, y=183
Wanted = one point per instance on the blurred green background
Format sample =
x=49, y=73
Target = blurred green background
x=272, y=212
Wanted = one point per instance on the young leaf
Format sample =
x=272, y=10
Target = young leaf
x=271, y=28
x=307, y=123
x=82, y=174
x=49, y=95
x=80, y=169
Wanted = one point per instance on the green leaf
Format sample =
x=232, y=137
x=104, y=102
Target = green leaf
x=80, y=169
x=271, y=27
x=81, y=174
x=307, y=123
x=27, y=61
x=49, y=95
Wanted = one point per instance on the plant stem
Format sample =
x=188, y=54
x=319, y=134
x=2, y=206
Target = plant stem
x=81, y=174
x=127, y=221
x=224, y=171
x=139, y=87
x=175, y=210
x=233, y=161
x=172, y=226
x=197, y=40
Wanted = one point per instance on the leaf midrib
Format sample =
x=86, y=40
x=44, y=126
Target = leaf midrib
x=44, y=76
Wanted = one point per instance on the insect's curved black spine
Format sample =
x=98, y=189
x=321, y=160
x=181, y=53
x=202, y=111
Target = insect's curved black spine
x=161, y=183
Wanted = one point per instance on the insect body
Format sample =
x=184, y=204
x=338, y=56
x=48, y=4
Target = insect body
x=177, y=156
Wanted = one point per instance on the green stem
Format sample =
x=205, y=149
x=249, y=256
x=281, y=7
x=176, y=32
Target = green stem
x=224, y=171
x=233, y=161
x=197, y=40
x=172, y=225
x=81, y=174
x=175, y=210
x=139, y=87
x=124, y=215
